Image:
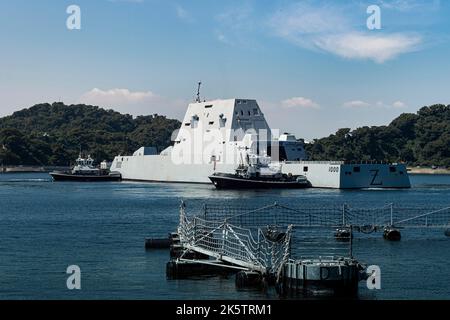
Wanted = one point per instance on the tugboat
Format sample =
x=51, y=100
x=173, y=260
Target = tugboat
x=85, y=171
x=260, y=173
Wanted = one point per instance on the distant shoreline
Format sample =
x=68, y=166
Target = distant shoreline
x=29, y=169
x=428, y=171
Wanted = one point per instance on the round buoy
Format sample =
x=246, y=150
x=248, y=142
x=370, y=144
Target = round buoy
x=392, y=234
x=343, y=234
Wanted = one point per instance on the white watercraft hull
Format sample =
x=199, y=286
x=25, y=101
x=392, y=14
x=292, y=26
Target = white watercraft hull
x=320, y=174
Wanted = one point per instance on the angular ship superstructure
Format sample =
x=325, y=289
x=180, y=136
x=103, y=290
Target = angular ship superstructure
x=220, y=135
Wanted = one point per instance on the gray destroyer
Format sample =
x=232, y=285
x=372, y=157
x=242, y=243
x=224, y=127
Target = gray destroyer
x=218, y=136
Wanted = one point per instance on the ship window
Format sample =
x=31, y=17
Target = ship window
x=242, y=112
x=249, y=113
x=236, y=113
x=187, y=124
x=211, y=122
x=299, y=149
x=305, y=169
x=392, y=169
x=208, y=106
x=255, y=111
x=356, y=169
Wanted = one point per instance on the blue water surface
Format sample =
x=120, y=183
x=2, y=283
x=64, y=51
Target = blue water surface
x=46, y=226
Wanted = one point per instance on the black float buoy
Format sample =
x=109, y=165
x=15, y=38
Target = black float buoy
x=274, y=235
x=392, y=234
x=246, y=279
x=162, y=243
x=157, y=243
x=343, y=234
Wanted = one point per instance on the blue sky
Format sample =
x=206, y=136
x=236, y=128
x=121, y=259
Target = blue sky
x=313, y=66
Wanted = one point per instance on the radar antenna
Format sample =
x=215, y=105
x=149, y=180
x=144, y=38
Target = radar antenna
x=198, y=92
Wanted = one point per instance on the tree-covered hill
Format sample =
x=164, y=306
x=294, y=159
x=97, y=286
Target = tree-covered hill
x=52, y=134
x=418, y=139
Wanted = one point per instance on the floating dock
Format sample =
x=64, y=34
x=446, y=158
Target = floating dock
x=297, y=250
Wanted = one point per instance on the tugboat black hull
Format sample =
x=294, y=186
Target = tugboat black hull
x=235, y=182
x=58, y=176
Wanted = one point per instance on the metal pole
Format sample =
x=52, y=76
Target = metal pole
x=351, y=242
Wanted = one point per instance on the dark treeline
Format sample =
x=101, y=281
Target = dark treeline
x=52, y=134
x=417, y=139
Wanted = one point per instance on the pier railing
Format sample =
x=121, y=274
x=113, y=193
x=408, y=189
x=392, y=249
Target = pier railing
x=263, y=239
x=260, y=239
x=232, y=243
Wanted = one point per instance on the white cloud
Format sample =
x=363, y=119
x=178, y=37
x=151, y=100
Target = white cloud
x=356, y=104
x=130, y=1
x=378, y=47
x=117, y=96
x=235, y=24
x=300, y=102
x=183, y=14
x=220, y=36
x=399, y=104
x=134, y=102
x=330, y=29
x=408, y=5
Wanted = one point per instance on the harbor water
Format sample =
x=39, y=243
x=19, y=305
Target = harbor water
x=46, y=226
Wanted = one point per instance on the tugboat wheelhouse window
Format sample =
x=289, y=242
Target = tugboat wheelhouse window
x=208, y=106
x=356, y=169
x=305, y=169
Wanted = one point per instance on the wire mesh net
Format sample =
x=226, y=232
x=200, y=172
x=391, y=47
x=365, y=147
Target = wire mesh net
x=266, y=237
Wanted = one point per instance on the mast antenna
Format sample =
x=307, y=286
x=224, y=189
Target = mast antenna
x=198, y=92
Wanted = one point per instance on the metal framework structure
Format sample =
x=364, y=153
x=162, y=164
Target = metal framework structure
x=264, y=239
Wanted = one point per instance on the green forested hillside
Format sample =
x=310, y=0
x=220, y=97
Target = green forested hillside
x=52, y=134
x=418, y=139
